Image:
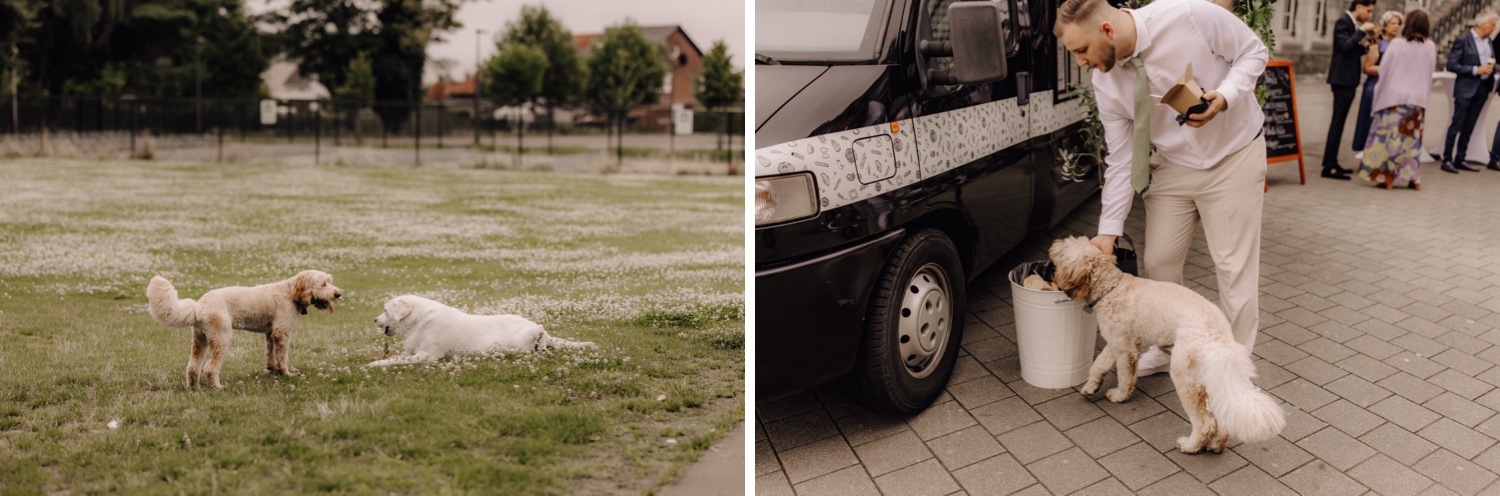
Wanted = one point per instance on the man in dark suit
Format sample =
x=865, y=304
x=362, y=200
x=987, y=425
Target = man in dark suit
x=1349, y=42
x=1471, y=60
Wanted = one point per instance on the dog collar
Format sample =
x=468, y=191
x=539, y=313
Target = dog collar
x=1089, y=308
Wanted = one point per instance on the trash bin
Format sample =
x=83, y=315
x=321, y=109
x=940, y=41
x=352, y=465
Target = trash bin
x=1054, y=334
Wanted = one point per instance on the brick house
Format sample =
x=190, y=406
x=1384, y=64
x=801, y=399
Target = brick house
x=685, y=61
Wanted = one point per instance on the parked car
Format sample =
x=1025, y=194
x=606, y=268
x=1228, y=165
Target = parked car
x=905, y=146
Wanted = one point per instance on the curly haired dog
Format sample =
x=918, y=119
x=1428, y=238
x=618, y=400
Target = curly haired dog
x=1211, y=371
x=432, y=330
x=269, y=309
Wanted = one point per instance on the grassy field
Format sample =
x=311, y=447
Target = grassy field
x=92, y=401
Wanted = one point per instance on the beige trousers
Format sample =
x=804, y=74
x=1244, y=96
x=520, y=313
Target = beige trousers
x=1226, y=200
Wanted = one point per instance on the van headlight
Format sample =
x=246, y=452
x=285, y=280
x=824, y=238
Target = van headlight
x=784, y=198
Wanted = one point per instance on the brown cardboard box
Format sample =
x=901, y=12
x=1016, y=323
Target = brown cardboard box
x=1185, y=94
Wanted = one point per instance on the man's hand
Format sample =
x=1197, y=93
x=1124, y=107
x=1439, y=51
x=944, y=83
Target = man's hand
x=1104, y=242
x=1216, y=104
x=1485, y=70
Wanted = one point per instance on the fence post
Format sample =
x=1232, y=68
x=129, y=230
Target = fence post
x=317, y=133
x=134, y=117
x=335, y=124
x=442, y=120
x=291, y=124
x=221, y=116
x=419, y=134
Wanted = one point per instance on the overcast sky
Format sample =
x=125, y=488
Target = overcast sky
x=704, y=21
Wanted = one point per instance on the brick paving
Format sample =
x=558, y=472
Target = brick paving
x=1380, y=335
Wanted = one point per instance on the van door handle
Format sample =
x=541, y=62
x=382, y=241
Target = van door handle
x=1023, y=88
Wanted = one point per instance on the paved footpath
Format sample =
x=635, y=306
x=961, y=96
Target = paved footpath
x=1380, y=335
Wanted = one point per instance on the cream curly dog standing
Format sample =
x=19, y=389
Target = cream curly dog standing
x=269, y=309
x=1211, y=371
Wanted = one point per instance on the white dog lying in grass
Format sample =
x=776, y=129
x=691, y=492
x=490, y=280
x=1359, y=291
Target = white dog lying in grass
x=432, y=330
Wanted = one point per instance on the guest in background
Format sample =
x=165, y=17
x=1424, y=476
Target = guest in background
x=1472, y=61
x=1390, y=28
x=1349, y=42
x=1395, y=143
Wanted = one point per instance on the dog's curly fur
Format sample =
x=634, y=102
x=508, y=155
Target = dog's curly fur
x=269, y=309
x=1211, y=371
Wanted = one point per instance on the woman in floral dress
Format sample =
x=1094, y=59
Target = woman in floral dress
x=1394, y=146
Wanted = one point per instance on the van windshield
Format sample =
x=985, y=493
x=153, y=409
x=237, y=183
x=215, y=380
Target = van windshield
x=813, y=30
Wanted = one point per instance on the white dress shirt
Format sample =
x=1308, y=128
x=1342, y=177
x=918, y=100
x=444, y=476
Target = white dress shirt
x=1226, y=56
x=1482, y=45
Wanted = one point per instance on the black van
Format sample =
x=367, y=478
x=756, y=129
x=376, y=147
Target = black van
x=904, y=147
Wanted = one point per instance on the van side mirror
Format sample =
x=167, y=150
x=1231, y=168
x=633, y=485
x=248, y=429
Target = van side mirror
x=978, y=37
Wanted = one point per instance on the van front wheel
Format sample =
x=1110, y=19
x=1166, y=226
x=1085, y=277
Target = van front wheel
x=913, y=327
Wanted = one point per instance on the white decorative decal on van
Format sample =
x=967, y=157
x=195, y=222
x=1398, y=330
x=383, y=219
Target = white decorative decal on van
x=839, y=166
x=847, y=172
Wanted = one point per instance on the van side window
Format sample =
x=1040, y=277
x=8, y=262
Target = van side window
x=937, y=11
x=1068, y=73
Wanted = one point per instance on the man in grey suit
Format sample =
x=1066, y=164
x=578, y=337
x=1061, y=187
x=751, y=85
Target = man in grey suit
x=1349, y=42
x=1471, y=60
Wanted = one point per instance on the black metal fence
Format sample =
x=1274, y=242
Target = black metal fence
x=324, y=123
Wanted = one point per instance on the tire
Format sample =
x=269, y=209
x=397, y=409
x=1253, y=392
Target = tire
x=913, y=326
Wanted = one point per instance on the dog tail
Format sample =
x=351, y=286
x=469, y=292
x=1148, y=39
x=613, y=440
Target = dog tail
x=1242, y=410
x=546, y=341
x=166, y=308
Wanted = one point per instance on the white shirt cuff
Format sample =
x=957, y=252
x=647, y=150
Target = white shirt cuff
x=1111, y=227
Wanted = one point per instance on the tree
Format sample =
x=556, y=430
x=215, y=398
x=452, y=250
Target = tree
x=719, y=86
x=358, y=90
x=324, y=35
x=514, y=77
x=564, y=79
x=406, y=28
x=625, y=70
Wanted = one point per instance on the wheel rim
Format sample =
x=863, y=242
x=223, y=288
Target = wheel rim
x=926, y=317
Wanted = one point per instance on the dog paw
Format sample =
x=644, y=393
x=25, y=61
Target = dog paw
x=1118, y=395
x=1089, y=388
x=1186, y=445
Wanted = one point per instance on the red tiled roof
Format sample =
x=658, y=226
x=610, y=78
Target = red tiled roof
x=584, y=40
x=442, y=90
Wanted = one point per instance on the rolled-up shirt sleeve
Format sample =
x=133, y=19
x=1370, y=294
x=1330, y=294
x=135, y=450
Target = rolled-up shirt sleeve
x=1117, y=195
x=1229, y=38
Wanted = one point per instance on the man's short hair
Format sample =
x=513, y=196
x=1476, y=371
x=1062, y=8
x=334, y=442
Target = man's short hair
x=1360, y=2
x=1077, y=11
x=1484, y=16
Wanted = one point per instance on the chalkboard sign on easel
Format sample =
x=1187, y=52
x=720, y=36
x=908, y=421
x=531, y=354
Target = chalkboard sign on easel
x=1283, y=136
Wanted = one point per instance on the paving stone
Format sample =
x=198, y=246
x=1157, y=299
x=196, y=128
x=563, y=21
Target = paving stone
x=965, y=447
x=1335, y=331
x=1453, y=472
x=886, y=455
x=1352, y=301
x=1289, y=333
x=1312, y=302
x=1366, y=368
x=966, y=368
x=800, y=430
x=1107, y=487
x=838, y=401
x=1034, y=395
x=1138, y=466
x=1384, y=311
x=1460, y=384
x=1004, y=415
x=990, y=349
x=1033, y=442
x=865, y=427
x=1279, y=353
x=1068, y=471
x=1276, y=456
x=816, y=459
x=1374, y=347
x=1336, y=448
x=775, y=484
x=1304, y=394
x=1318, y=478
x=1459, y=409
x=1069, y=411
x=1251, y=480
x=1490, y=459
x=1181, y=484
x=1269, y=375
x=1389, y=477
x=1302, y=316
x=940, y=419
x=1397, y=443
x=1008, y=369
x=1423, y=346
x=996, y=475
x=1208, y=467
x=1139, y=407
x=1327, y=349
x=1299, y=424
x=1102, y=436
x=1460, y=341
x=1410, y=387
x=1415, y=365
x=1357, y=390
x=1453, y=436
x=852, y=480
x=1348, y=417
x=765, y=459
x=927, y=477
x=980, y=392
x=1403, y=412
x=1316, y=370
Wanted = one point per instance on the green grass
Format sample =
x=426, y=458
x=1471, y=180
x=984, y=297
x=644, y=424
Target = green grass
x=650, y=268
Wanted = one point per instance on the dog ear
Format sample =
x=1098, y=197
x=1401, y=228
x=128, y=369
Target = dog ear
x=398, y=308
x=302, y=287
x=1073, y=278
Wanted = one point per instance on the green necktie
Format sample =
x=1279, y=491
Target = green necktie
x=1140, y=158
